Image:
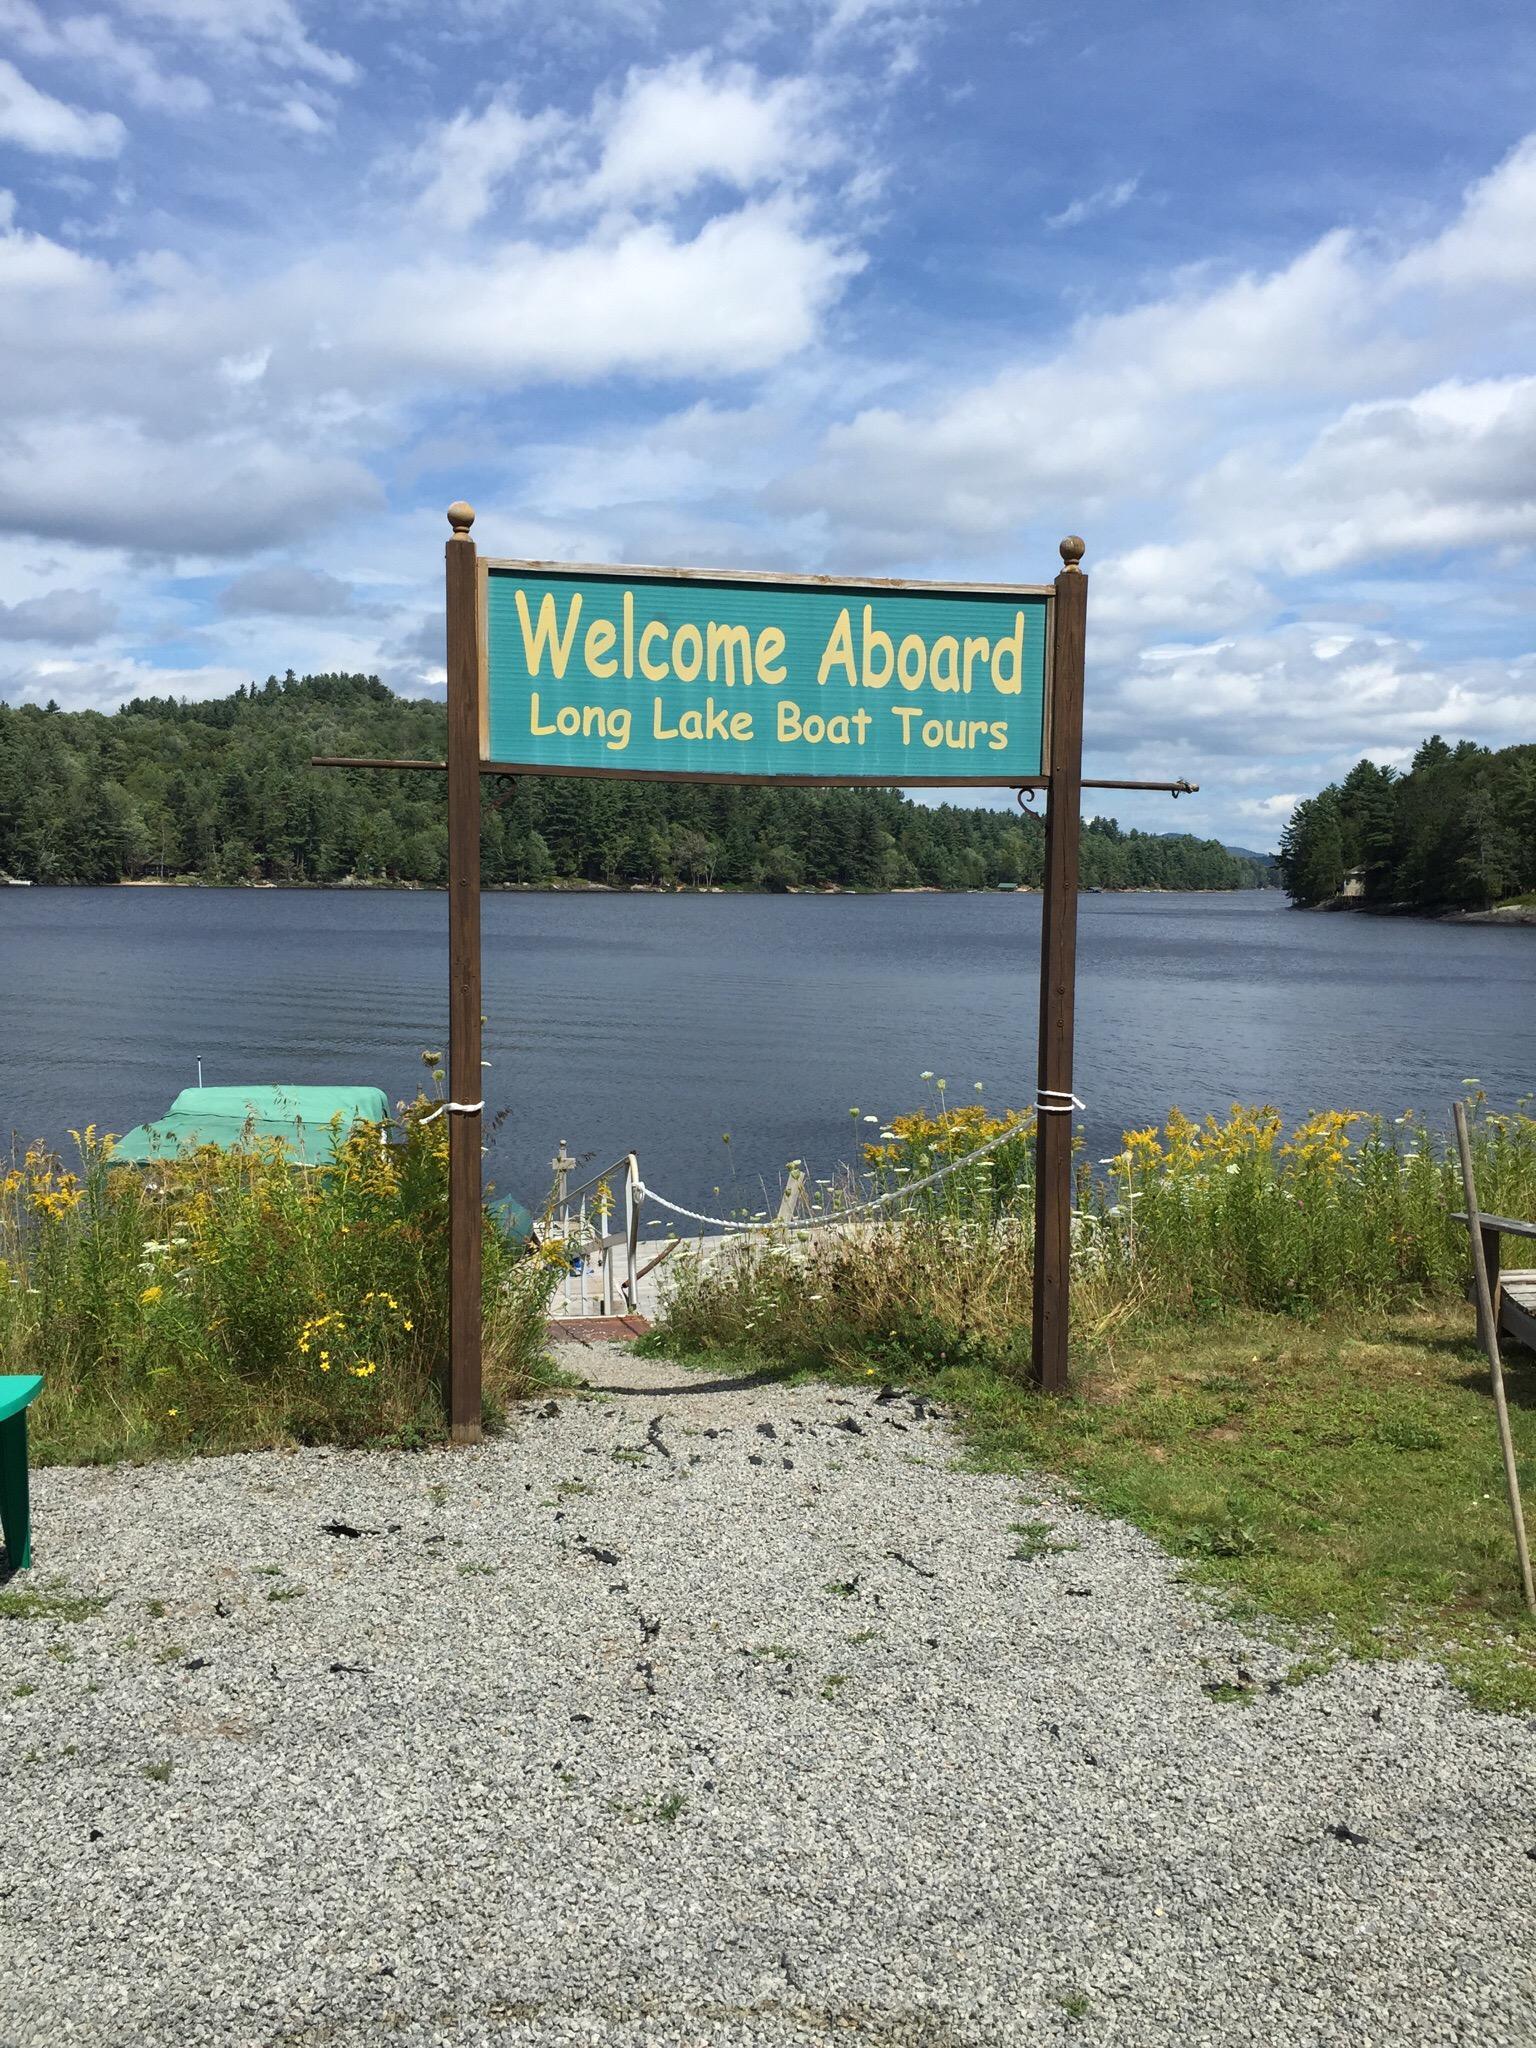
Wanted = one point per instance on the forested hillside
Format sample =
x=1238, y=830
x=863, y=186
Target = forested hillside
x=1458, y=830
x=223, y=791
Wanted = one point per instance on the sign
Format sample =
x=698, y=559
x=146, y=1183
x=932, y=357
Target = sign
x=678, y=673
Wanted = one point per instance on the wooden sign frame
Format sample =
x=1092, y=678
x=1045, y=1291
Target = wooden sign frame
x=1066, y=627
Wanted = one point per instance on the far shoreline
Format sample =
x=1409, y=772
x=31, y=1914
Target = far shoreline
x=361, y=886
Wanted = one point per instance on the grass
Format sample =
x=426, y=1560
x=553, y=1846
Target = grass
x=49, y=1603
x=229, y=1301
x=1274, y=1371
x=1339, y=1477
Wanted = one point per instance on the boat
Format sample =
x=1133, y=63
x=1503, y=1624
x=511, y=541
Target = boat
x=300, y=1119
x=303, y=1120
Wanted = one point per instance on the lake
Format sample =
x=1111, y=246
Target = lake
x=662, y=1023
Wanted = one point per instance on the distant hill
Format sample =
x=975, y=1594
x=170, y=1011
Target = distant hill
x=222, y=791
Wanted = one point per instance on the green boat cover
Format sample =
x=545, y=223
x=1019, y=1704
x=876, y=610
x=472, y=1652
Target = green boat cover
x=299, y=1117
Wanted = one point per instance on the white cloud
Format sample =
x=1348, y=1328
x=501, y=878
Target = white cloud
x=1493, y=238
x=467, y=158
x=1107, y=199
x=287, y=590
x=59, y=618
x=33, y=120
x=660, y=136
x=91, y=41
x=748, y=289
x=108, y=483
x=690, y=123
x=249, y=31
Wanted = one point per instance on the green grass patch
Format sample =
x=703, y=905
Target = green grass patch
x=1338, y=1475
x=50, y=1603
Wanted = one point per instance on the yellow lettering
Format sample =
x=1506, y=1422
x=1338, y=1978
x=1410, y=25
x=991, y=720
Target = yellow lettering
x=770, y=645
x=1011, y=684
x=906, y=713
x=730, y=641
x=873, y=639
x=975, y=727
x=999, y=738
x=788, y=718
x=912, y=661
x=653, y=672
x=977, y=647
x=658, y=729
x=687, y=653
x=839, y=648
x=741, y=725
x=618, y=728
x=533, y=714
x=601, y=635
x=545, y=635
x=944, y=663
x=691, y=725
x=629, y=633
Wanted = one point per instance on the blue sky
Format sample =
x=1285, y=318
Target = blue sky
x=1245, y=295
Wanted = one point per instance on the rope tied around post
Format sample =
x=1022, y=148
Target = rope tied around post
x=452, y=1108
x=1062, y=1108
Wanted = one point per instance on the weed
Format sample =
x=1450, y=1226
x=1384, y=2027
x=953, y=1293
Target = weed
x=776, y=1651
x=623, y=1457
x=22, y=1691
x=227, y=1301
x=155, y=1609
x=833, y=1684
x=1036, y=1540
x=477, y=1571
x=286, y=1593
x=1074, y=2004
x=670, y=1807
x=160, y=1773
x=864, y=1635
x=48, y=1604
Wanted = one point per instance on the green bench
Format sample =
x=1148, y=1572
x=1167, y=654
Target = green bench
x=18, y=1390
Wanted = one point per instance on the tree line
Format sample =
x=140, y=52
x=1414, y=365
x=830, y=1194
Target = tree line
x=222, y=792
x=1456, y=831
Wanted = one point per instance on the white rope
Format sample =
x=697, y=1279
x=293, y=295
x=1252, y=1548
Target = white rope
x=644, y=1194
x=458, y=1108
x=1057, y=1108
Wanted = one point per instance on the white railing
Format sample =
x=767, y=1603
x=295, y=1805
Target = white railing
x=602, y=1278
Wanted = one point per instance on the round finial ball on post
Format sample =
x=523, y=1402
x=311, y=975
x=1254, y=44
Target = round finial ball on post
x=1072, y=549
x=461, y=518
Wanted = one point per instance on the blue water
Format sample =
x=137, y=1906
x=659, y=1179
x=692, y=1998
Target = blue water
x=661, y=1023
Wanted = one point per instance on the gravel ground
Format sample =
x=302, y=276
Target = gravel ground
x=714, y=1713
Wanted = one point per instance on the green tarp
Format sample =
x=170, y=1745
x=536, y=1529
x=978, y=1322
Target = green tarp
x=300, y=1117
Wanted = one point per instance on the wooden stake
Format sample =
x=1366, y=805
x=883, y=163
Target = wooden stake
x=465, y=1076
x=1488, y=1329
x=1058, y=978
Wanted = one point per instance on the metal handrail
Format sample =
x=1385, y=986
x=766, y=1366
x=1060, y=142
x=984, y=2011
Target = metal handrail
x=605, y=1241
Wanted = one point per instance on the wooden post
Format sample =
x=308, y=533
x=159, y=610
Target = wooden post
x=1488, y=1328
x=465, y=1078
x=1058, y=977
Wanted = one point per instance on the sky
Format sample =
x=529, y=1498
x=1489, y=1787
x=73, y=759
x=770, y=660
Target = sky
x=1245, y=295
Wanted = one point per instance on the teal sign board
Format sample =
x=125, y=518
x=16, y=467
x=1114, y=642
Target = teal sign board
x=638, y=672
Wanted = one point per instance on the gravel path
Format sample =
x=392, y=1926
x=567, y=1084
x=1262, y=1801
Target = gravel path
x=713, y=1713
